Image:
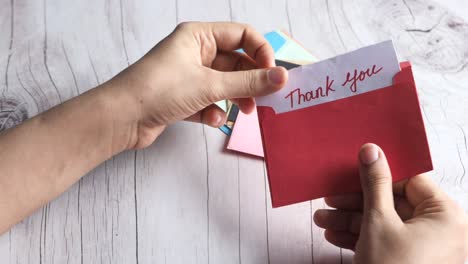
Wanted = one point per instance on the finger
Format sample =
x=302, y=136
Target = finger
x=376, y=181
x=235, y=61
x=341, y=239
x=403, y=208
x=399, y=187
x=421, y=188
x=232, y=61
x=252, y=83
x=339, y=220
x=246, y=105
x=347, y=201
x=211, y=115
x=354, y=202
x=232, y=36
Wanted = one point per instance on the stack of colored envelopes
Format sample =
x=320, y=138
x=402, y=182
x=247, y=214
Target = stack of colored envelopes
x=243, y=129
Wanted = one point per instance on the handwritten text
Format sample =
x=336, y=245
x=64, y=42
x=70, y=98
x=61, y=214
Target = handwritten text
x=354, y=78
x=310, y=95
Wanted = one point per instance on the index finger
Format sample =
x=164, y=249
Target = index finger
x=352, y=201
x=232, y=36
x=420, y=188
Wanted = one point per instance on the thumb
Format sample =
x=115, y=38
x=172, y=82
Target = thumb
x=376, y=181
x=252, y=83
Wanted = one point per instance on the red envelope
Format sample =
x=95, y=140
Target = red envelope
x=313, y=152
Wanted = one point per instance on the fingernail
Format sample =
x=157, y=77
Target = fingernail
x=276, y=75
x=369, y=154
x=320, y=217
x=322, y=214
x=218, y=120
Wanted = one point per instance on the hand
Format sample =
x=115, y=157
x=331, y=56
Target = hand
x=195, y=66
x=408, y=222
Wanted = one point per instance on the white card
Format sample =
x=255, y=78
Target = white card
x=360, y=71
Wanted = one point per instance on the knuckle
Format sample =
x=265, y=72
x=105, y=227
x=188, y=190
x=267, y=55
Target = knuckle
x=465, y=226
x=376, y=214
x=241, y=24
x=462, y=224
x=250, y=83
x=354, y=225
x=248, y=27
x=377, y=178
x=459, y=217
x=214, y=88
x=239, y=64
x=449, y=205
x=185, y=26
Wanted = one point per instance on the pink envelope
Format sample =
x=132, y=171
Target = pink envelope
x=246, y=135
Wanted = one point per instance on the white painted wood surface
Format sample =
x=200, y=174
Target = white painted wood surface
x=185, y=199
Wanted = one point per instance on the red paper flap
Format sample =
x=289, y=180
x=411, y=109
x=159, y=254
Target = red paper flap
x=312, y=152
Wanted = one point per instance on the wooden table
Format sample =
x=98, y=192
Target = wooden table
x=185, y=199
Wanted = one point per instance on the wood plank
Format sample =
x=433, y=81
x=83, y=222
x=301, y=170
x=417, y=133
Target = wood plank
x=97, y=52
x=172, y=173
x=172, y=198
x=254, y=236
x=224, y=232
x=289, y=228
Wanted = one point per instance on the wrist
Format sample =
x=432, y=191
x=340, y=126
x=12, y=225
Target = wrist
x=123, y=114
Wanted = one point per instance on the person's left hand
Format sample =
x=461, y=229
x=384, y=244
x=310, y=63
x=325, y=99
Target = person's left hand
x=195, y=66
x=402, y=222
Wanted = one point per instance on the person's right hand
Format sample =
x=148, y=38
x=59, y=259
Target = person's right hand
x=186, y=73
x=407, y=222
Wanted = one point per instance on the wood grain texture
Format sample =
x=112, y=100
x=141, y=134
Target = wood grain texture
x=185, y=199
